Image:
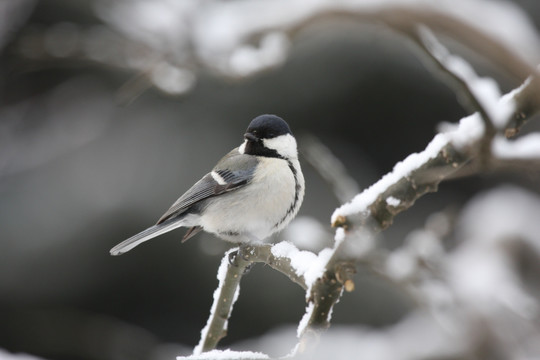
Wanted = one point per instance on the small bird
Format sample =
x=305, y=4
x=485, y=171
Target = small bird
x=253, y=191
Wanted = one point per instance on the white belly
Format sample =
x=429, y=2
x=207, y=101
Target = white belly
x=253, y=213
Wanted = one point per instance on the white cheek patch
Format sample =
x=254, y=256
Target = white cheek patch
x=285, y=145
x=242, y=148
x=218, y=178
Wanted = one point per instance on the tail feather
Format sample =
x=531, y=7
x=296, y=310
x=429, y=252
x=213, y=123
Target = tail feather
x=145, y=235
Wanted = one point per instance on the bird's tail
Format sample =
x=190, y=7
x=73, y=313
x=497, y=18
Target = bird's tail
x=145, y=235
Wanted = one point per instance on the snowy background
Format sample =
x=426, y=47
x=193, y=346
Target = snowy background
x=109, y=110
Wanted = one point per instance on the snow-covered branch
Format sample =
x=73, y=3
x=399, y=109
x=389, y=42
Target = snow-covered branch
x=374, y=209
x=327, y=275
x=302, y=267
x=229, y=275
x=421, y=172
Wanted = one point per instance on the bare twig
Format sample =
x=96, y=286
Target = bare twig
x=329, y=167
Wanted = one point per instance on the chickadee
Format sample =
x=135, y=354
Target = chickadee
x=253, y=191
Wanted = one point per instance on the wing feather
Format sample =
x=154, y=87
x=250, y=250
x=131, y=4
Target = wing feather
x=143, y=236
x=235, y=169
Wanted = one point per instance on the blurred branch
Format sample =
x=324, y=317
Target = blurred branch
x=169, y=58
x=467, y=83
x=527, y=99
x=406, y=19
x=329, y=167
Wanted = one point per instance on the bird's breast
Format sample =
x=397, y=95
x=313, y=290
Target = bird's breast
x=262, y=207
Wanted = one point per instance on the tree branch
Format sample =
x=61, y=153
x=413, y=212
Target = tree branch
x=371, y=211
x=412, y=178
x=329, y=167
x=374, y=209
x=233, y=266
x=466, y=82
x=229, y=275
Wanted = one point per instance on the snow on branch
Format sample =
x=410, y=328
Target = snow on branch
x=422, y=172
x=327, y=275
x=526, y=147
x=225, y=355
x=225, y=296
x=302, y=267
x=483, y=93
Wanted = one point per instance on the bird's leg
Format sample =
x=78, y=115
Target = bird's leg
x=244, y=253
x=233, y=257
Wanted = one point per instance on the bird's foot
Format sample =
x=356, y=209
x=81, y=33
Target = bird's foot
x=244, y=253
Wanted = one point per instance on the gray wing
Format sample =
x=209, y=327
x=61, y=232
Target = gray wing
x=235, y=170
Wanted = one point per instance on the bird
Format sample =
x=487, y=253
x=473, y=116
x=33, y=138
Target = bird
x=253, y=192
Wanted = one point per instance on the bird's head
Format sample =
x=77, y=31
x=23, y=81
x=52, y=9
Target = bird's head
x=270, y=136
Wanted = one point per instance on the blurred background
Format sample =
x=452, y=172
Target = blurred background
x=110, y=110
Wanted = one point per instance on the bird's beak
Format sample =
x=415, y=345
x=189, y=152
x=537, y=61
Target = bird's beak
x=251, y=137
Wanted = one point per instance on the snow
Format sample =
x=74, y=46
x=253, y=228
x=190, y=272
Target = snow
x=159, y=24
x=248, y=59
x=306, y=264
x=485, y=90
x=317, y=267
x=526, y=147
x=482, y=270
x=220, y=35
x=307, y=233
x=402, y=169
x=339, y=237
x=305, y=319
x=392, y=201
x=221, y=275
x=241, y=38
x=397, y=341
x=225, y=355
x=361, y=202
x=420, y=247
x=489, y=217
x=518, y=33
x=469, y=130
x=172, y=79
x=301, y=261
x=400, y=265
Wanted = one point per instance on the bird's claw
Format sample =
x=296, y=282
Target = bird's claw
x=244, y=253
